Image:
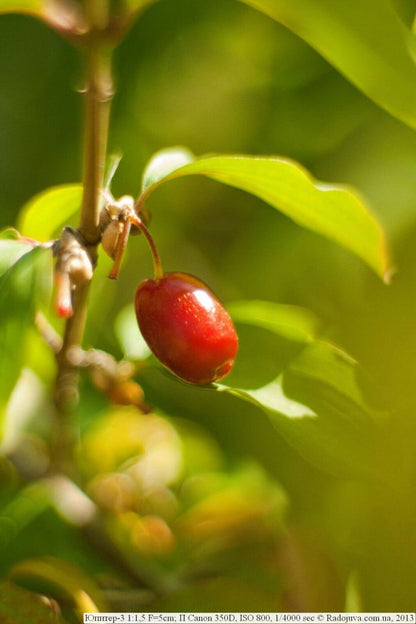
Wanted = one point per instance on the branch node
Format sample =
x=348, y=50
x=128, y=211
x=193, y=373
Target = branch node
x=74, y=267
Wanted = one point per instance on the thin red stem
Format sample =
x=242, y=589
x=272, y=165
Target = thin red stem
x=157, y=263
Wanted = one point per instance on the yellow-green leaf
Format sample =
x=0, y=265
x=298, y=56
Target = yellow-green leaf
x=364, y=39
x=45, y=214
x=23, y=286
x=318, y=405
x=62, y=580
x=334, y=211
x=292, y=322
x=33, y=7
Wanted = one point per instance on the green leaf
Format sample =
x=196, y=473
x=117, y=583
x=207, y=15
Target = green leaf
x=113, y=161
x=29, y=503
x=353, y=598
x=9, y=233
x=319, y=404
x=138, y=5
x=46, y=213
x=63, y=580
x=163, y=163
x=364, y=39
x=33, y=7
x=318, y=399
x=130, y=339
x=334, y=211
x=292, y=322
x=23, y=286
x=19, y=606
x=11, y=251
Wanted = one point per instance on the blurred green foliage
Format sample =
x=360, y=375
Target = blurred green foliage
x=203, y=504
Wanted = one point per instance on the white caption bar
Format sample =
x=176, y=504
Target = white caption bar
x=250, y=618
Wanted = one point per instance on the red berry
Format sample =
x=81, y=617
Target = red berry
x=186, y=327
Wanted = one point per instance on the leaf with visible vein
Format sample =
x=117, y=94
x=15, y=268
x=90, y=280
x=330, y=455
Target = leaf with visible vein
x=334, y=211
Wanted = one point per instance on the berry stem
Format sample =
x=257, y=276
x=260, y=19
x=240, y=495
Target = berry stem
x=157, y=263
x=121, y=246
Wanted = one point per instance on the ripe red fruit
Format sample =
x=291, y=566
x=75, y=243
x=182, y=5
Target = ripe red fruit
x=186, y=327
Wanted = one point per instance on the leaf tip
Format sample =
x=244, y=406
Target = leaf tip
x=163, y=163
x=389, y=274
x=388, y=268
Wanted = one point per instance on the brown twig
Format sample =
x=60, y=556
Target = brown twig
x=98, y=94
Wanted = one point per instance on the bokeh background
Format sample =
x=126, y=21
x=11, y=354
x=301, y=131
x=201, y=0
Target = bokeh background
x=203, y=497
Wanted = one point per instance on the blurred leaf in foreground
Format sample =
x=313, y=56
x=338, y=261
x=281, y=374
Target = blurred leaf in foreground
x=63, y=580
x=19, y=606
x=23, y=286
x=33, y=7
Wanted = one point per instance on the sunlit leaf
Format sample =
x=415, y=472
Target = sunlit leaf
x=289, y=321
x=19, y=412
x=20, y=606
x=353, y=598
x=113, y=161
x=22, y=287
x=64, y=17
x=317, y=397
x=22, y=6
x=11, y=251
x=163, y=163
x=46, y=213
x=334, y=211
x=129, y=336
x=9, y=233
x=318, y=403
x=364, y=39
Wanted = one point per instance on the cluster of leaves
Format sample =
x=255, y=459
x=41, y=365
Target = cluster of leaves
x=164, y=520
